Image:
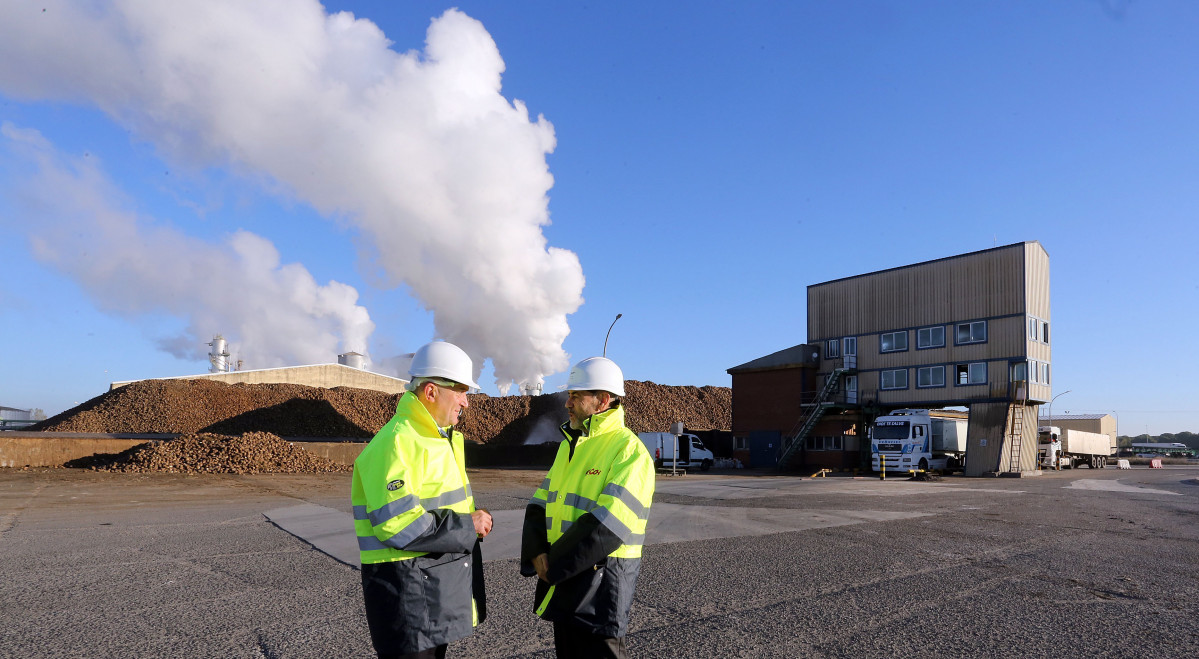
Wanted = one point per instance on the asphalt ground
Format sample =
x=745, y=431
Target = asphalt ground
x=1095, y=563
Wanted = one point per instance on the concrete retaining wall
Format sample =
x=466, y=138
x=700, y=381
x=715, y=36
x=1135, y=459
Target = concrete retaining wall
x=19, y=449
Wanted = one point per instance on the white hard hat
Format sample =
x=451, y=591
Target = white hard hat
x=443, y=360
x=596, y=373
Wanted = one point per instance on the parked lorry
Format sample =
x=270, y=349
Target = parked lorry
x=1057, y=448
x=692, y=451
x=919, y=439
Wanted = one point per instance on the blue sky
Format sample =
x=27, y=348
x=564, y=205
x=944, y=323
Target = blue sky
x=708, y=160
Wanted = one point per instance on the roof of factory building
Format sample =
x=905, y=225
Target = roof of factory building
x=317, y=375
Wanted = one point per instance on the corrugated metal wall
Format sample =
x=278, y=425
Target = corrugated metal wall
x=976, y=285
x=1036, y=279
x=990, y=422
x=1037, y=294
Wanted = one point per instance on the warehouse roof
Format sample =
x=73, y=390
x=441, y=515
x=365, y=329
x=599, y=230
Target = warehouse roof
x=313, y=375
x=795, y=356
x=1057, y=417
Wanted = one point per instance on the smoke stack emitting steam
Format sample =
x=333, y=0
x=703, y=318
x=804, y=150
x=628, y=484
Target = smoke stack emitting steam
x=444, y=177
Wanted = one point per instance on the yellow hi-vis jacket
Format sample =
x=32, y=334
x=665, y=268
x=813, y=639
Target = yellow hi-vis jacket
x=421, y=567
x=601, y=485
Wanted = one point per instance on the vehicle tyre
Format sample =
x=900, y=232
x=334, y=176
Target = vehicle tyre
x=658, y=463
x=705, y=465
x=923, y=464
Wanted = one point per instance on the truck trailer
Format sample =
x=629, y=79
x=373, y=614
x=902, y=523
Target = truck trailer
x=1057, y=448
x=919, y=439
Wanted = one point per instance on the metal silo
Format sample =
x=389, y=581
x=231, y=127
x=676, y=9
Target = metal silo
x=218, y=357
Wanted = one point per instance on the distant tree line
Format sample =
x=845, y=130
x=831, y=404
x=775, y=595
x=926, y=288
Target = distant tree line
x=1189, y=438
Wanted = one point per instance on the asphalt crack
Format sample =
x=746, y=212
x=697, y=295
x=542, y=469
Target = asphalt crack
x=9, y=520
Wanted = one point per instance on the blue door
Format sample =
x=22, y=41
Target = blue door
x=764, y=448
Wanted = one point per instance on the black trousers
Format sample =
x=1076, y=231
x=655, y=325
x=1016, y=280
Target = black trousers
x=432, y=653
x=573, y=641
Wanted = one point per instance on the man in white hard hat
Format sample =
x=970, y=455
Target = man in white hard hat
x=415, y=518
x=585, y=526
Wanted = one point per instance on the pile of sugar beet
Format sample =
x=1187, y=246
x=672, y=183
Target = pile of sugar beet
x=240, y=428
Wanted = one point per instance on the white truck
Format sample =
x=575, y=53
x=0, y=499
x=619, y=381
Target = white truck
x=1057, y=448
x=692, y=451
x=919, y=439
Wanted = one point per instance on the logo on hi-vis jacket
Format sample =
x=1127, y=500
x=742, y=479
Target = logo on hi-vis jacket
x=593, y=472
x=395, y=485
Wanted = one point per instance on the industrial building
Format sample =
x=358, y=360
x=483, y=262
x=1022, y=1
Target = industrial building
x=971, y=330
x=349, y=371
x=13, y=418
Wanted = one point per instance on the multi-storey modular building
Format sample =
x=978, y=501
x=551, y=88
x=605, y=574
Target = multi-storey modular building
x=970, y=330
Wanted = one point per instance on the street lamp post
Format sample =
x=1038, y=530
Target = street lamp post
x=1050, y=418
x=610, y=332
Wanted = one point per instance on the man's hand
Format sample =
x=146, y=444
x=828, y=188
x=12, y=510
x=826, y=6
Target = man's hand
x=541, y=563
x=483, y=522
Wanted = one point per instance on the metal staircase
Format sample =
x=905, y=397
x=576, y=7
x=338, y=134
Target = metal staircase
x=806, y=423
x=1016, y=435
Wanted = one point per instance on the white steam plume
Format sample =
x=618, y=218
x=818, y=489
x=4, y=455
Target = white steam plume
x=277, y=314
x=444, y=176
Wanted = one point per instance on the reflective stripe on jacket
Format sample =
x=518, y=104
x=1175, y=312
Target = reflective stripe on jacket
x=422, y=571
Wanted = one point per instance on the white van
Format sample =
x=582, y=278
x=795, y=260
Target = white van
x=692, y=451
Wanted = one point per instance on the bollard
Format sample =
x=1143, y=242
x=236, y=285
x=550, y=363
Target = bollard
x=882, y=463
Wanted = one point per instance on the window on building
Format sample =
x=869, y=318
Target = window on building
x=1019, y=372
x=974, y=373
x=972, y=332
x=1038, y=330
x=824, y=443
x=832, y=348
x=893, y=341
x=894, y=379
x=1045, y=373
x=850, y=345
x=930, y=376
x=741, y=443
x=930, y=337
